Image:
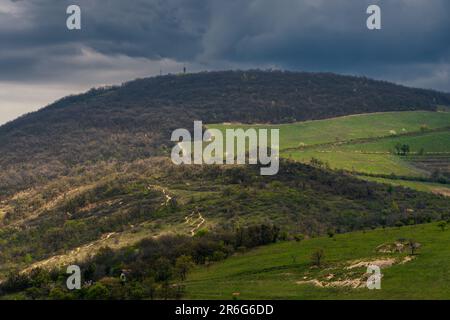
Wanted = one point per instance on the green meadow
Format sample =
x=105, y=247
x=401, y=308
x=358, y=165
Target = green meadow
x=432, y=142
x=357, y=162
x=366, y=143
x=417, y=185
x=351, y=127
x=285, y=270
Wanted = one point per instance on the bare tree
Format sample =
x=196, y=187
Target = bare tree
x=413, y=246
x=317, y=257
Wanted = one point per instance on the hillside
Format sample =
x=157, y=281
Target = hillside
x=285, y=270
x=366, y=145
x=88, y=180
x=119, y=204
x=336, y=130
x=135, y=120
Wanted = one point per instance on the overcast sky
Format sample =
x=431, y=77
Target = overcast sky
x=40, y=60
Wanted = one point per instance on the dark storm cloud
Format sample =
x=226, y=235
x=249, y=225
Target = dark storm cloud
x=153, y=29
x=329, y=35
x=315, y=35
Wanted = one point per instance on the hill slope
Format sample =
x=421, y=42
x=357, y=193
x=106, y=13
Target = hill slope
x=346, y=128
x=135, y=120
x=366, y=144
x=110, y=189
x=284, y=270
x=117, y=204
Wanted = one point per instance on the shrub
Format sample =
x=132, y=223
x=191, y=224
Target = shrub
x=317, y=257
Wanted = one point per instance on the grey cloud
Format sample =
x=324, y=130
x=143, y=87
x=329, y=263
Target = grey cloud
x=331, y=34
x=304, y=34
x=133, y=37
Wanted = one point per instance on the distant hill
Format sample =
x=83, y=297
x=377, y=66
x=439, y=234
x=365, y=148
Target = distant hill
x=135, y=120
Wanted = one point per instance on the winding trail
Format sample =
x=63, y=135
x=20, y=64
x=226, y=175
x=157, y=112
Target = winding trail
x=194, y=222
x=164, y=191
x=168, y=197
x=82, y=252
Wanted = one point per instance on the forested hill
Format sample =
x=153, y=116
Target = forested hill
x=136, y=119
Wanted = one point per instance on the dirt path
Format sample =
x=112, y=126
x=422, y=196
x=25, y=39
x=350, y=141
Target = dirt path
x=166, y=194
x=81, y=253
x=168, y=197
x=195, y=223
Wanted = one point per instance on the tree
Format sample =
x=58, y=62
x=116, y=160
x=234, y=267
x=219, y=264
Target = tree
x=317, y=257
x=442, y=225
x=35, y=293
x=136, y=291
x=98, y=292
x=394, y=206
x=316, y=163
x=183, y=264
x=399, y=224
x=405, y=149
x=398, y=148
x=413, y=246
x=15, y=282
x=294, y=258
x=423, y=128
x=163, y=269
x=58, y=294
x=330, y=233
x=150, y=287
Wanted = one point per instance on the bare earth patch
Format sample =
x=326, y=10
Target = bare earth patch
x=382, y=263
x=352, y=282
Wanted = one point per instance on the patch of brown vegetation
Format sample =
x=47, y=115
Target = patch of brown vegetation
x=442, y=191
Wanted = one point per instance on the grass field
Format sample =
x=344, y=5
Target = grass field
x=351, y=127
x=358, y=162
x=366, y=143
x=284, y=270
x=417, y=185
x=432, y=142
